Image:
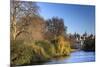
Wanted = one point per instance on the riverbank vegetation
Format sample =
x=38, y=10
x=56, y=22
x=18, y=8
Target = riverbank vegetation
x=89, y=44
x=34, y=39
x=39, y=51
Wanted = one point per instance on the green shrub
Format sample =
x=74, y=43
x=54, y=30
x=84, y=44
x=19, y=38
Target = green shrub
x=47, y=46
x=20, y=53
x=89, y=45
x=61, y=45
x=38, y=51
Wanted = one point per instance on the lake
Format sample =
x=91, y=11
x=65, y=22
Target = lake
x=75, y=57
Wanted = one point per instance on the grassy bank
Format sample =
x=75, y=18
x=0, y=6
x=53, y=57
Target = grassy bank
x=38, y=51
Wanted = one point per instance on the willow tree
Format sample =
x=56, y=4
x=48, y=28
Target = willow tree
x=20, y=9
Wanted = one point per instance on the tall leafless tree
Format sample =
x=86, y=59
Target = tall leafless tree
x=55, y=27
x=21, y=10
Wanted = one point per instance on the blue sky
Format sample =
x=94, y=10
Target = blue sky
x=78, y=18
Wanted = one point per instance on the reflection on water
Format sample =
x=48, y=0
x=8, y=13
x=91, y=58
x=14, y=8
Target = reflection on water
x=78, y=56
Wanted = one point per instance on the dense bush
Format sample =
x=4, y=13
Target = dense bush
x=89, y=45
x=40, y=54
x=47, y=46
x=20, y=53
x=37, y=51
x=63, y=47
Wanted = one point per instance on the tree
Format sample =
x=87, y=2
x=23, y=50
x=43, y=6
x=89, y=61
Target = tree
x=76, y=36
x=91, y=36
x=55, y=27
x=89, y=45
x=63, y=47
x=37, y=28
x=21, y=10
x=85, y=34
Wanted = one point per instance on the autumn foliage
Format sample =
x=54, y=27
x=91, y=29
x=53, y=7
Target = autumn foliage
x=34, y=39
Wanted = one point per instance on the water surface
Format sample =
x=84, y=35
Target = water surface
x=75, y=57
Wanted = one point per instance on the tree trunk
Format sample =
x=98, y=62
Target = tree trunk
x=14, y=28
